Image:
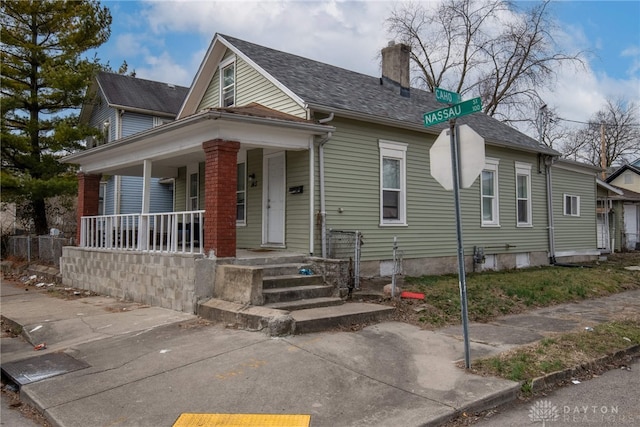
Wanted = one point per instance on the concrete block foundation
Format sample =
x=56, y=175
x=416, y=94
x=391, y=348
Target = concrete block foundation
x=161, y=280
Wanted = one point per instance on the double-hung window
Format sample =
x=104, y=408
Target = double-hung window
x=228, y=84
x=193, y=191
x=393, y=192
x=571, y=205
x=489, y=194
x=523, y=194
x=241, y=189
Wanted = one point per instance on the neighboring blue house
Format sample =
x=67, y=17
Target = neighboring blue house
x=122, y=106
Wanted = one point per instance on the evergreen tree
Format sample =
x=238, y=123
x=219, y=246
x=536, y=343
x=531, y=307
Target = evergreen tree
x=44, y=76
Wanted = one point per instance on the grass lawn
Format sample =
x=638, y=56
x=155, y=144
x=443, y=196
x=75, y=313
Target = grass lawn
x=493, y=294
x=560, y=352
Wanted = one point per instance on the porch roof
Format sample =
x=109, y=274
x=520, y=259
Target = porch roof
x=180, y=142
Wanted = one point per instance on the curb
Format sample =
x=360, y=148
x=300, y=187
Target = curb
x=547, y=381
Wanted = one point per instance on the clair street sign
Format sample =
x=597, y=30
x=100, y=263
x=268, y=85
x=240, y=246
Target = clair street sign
x=447, y=97
x=462, y=109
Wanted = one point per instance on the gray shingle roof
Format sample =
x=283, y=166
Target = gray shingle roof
x=333, y=87
x=132, y=92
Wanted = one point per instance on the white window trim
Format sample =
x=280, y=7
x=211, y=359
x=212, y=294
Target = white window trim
x=491, y=164
x=192, y=169
x=242, y=158
x=564, y=205
x=222, y=66
x=102, y=198
x=524, y=169
x=394, y=150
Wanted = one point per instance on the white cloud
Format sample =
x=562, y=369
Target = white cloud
x=163, y=68
x=632, y=52
x=173, y=37
x=344, y=33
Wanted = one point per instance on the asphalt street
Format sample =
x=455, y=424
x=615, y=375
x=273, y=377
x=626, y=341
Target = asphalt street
x=610, y=399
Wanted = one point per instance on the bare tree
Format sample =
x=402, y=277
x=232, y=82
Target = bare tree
x=550, y=129
x=616, y=128
x=482, y=48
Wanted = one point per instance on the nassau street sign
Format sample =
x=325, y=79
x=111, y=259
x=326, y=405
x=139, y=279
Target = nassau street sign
x=462, y=109
x=447, y=97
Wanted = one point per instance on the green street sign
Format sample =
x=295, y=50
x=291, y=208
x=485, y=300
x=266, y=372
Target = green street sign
x=462, y=109
x=447, y=97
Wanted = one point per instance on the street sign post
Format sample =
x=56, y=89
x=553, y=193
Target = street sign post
x=447, y=97
x=438, y=116
x=462, y=109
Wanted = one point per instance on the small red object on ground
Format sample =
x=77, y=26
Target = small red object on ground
x=40, y=346
x=413, y=295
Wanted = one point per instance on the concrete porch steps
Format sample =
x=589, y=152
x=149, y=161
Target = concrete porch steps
x=293, y=303
x=346, y=315
x=281, y=322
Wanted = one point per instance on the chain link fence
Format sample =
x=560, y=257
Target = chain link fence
x=344, y=244
x=47, y=249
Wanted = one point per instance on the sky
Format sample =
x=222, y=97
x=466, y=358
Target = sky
x=166, y=40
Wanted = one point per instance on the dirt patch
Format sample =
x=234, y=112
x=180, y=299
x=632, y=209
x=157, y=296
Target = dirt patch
x=12, y=396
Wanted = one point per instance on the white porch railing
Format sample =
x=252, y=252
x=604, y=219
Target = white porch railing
x=173, y=232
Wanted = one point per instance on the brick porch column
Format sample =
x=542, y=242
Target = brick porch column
x=220, y=188
x=88, y=198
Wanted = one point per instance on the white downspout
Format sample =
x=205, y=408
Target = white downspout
x=312, y=208
x=323, y=209
x=552, y=245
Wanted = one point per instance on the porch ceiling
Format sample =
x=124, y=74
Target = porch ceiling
x=180, y=143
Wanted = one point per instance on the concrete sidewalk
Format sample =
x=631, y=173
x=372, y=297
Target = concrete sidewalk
x=144, y=366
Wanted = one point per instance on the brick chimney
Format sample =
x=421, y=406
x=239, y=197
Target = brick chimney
x=395, y=67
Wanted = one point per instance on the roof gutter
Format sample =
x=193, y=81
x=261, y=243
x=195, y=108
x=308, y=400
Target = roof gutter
x=318, y=129
x=432, y=130
x=129, y=109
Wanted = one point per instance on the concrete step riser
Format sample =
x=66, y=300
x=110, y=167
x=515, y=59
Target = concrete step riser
x=284, y=269
x=271, y=261
x=291, y=281
x=304, y=304
x=290, y=294
x=318, y=325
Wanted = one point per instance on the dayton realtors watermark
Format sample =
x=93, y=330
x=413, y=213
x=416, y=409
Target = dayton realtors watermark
x=545, y=412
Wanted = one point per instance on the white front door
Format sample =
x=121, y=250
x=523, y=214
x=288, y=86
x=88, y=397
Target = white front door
x=603, y=230
x=631, y=225
x=274, y=199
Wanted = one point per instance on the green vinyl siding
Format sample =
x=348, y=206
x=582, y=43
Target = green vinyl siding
x=574, y=233
x=508, y=237
x=251, y=86
x=250, y=235
x=352, y=179
x=180, y=193
x=297, y=205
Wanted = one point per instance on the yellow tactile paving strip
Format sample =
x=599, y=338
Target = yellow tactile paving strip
x=242, y=420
